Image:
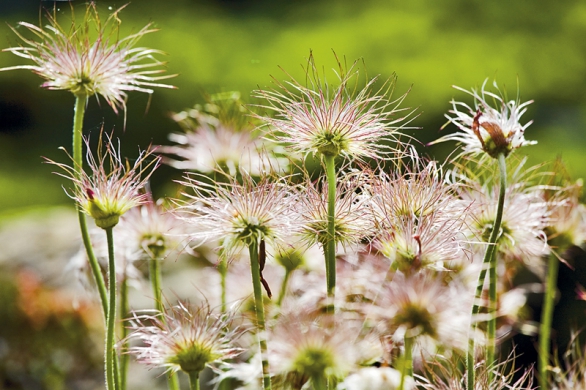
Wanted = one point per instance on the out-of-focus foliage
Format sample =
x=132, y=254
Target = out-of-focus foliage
x=60, y=346
x=236, y=45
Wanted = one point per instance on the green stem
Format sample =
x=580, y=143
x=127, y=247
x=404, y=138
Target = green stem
x=111, y=319
x=489, y=262
x=283, y=291
x=193, y=380
x=546, y=318
x=79, y=113
x=124, y=311
x=319, y=383
x=492, y=310
x=330, y=245
x=407, y=369
x=155, y=276
x=260, y=313
x=223, y=269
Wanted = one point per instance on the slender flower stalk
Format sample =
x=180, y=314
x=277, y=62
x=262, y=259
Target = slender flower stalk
x=223, y=269
x=342, y=217
x=155, y=277
x=124, y=313
x=149, y=234
x=284, y=285
x=489, y=262
x=495, y=132
x=568, y=227
x=291, y=258
x=260, y=312
x=407, y=368
x=110, y=353
x=546, y=320
x=194, y=380
x=330, y=244
x=80, y=104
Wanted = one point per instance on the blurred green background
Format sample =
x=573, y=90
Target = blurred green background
x=224, y=45
x=236, y=45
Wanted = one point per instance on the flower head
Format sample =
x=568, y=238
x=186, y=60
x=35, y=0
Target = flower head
x=570, y=373
x=448, y=375
x=416, y=193
x=418, y=217
x=316, y=348
x=238, y=214
x=352, y=218
x=72, y=60
x=112, y=187
x=486, y=129
x=333, y=120
x=412, y=244
x=184, y=337
x=525, y=217
x=218, y=135
x=149, y=231
x=422, y=305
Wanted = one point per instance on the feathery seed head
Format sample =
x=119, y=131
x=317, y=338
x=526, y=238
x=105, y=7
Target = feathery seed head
x=219, y=135
x=352, y=217
x=308, y=347
x=74, y=61
x=334, y=120
x=150, y=230
x=184, y=337
x=486, y=129
x=448, y=375
x=525, y=218
x=415, y=194
x=422, y=305
x=112, y=188
x=240, y=213
x=567, y=215
x=412, y=244
x=290, y=258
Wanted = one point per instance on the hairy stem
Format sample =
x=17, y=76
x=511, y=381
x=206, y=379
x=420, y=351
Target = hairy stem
x=111, y=319
x=79, y=113
x=330, y=245
x=407, y=369
x=260, y=313
x=223, y=269
x=194, y=380
x=155, y=276
x=546, y=318
x=319, y=383
x=124, y=310
x=283, y=291
x=489, y=262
